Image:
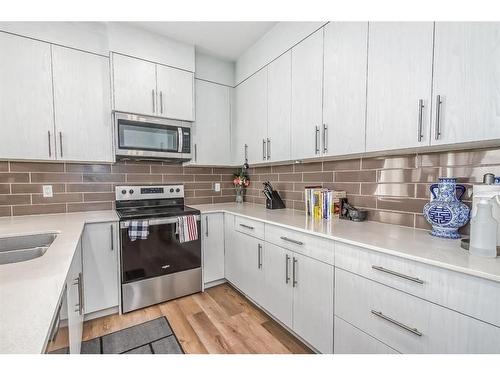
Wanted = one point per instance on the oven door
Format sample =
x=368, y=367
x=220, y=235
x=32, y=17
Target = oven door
x=160, y=254
x=147, y=137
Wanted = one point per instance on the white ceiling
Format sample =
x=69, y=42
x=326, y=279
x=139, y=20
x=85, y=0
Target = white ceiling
x=227, y=40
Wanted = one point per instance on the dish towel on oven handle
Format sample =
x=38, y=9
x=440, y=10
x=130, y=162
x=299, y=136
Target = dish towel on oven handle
x=138, y=230
x=187, y=228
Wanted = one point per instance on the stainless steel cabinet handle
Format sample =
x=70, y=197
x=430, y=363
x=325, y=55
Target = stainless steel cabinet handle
x=287, y=275
x=153, y=96
x=404, y=326
x=195, y=153
x=268, y=148
x=420, y=135
x=112, y=231
x=259, y=256
x=246, y=151
x=394, y=273
x=325, y=138
x=247, y=226
x=61, y=143
x=437, y=129
x=161, y=101
x=294, y=278
x=206, y=226
x=50, y=146
x=292, y=241
x=263, y=149
x=316, y=140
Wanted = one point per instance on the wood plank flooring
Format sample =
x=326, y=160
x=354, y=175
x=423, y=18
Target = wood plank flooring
x=220, y=320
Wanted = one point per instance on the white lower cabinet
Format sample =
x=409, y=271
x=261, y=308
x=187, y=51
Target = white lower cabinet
x=100, y=266
x=212, y=228
x=350, y=340
x=407, y=323
x=75, y=304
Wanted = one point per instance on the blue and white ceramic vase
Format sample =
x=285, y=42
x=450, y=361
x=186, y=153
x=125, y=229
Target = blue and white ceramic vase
x=445, y=212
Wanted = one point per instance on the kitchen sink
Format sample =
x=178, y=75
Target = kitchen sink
x=22, y=248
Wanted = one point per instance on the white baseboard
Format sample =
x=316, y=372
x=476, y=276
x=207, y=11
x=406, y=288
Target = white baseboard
x=214, y=283
x=101, y=313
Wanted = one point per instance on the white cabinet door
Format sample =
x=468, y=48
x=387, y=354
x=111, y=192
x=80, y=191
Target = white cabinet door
x=82, y=103
x=134, y=85
x=251, y=118
x=399, y=76
x=212, y=227
x=212, y=129
x=279, y=106
x=278, y=292
x=175, y=93
x=100, y=249
x=232, y=266
x=467, y=79
x=307, y=94
x=26, y=111
x=344, y=102
x=313, y=302
x=75, y=304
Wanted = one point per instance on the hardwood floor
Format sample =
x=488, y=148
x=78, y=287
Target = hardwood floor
x=220, y=320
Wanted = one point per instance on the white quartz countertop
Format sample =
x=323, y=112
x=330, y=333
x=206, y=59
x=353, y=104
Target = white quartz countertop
x=30, y=290
x=414, y=244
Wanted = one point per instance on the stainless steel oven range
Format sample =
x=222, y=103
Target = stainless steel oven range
x=156, y=267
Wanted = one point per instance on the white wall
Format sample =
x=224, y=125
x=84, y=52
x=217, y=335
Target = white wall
x=276, y=41
x=216, y=70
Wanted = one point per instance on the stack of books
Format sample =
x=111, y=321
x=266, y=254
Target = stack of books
x=323, y=203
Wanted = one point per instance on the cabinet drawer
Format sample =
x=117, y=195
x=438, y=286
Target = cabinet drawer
x=351, y=340
x=467, y=294
x=313, y=246
x=248, y=226
x=407, y=323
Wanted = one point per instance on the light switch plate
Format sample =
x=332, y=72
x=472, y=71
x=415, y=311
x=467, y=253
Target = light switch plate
x=47, y=191
x=217, y=186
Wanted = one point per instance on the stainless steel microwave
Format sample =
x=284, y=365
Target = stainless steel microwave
x=146, y=137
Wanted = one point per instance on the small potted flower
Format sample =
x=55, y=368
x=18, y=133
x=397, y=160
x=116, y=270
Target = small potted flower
x=240, y=181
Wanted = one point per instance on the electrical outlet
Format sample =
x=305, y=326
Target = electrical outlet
x=47, y=191
x=217, y=186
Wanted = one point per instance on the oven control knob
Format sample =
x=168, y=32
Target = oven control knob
x=124, y=191
x=177, y=190
x=172, y=190
x=131, y=191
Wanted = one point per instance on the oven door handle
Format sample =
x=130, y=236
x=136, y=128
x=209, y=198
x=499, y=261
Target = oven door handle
x=157, y=221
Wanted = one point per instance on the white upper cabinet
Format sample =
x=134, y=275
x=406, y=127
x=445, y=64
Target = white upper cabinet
x=307, y=95
x=344, y=101
x=212, y=128
x=82, y=103
x=279, y=91
x=175, y=96
x=399, y=85
x=467, y=80
x=251, y=118
x=26, y=111
x=134, y=85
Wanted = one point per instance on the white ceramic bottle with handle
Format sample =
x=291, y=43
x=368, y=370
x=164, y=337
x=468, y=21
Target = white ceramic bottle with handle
x=483, y=230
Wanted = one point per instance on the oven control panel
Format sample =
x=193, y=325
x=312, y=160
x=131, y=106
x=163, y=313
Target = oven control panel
x=126, y=193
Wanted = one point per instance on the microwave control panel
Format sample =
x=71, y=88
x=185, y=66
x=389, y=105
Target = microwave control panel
x=186, y=140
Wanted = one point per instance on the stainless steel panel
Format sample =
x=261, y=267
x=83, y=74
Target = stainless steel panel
x=148, y=292
x=159, y=221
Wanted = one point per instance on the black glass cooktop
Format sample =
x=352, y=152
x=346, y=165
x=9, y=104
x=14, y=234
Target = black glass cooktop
x=148, y=212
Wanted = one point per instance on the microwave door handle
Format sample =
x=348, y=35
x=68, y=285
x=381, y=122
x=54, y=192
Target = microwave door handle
x=179, y=131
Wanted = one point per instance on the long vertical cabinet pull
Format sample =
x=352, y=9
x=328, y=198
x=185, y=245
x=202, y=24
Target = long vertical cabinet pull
x=153, y=97
x=287, y=274
x=50, y=146
x=316, y=140
x=264, y=149
x=195, y=153
x=438, y=117
x=61, y=143
x=161, y=102
x=268, y=148
x=259, y=256
x=206, y=226
x=294, y=275
x=325, y=138
x=420, y=134
x=112, y=232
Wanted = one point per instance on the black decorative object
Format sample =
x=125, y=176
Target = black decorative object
x=273, y=199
